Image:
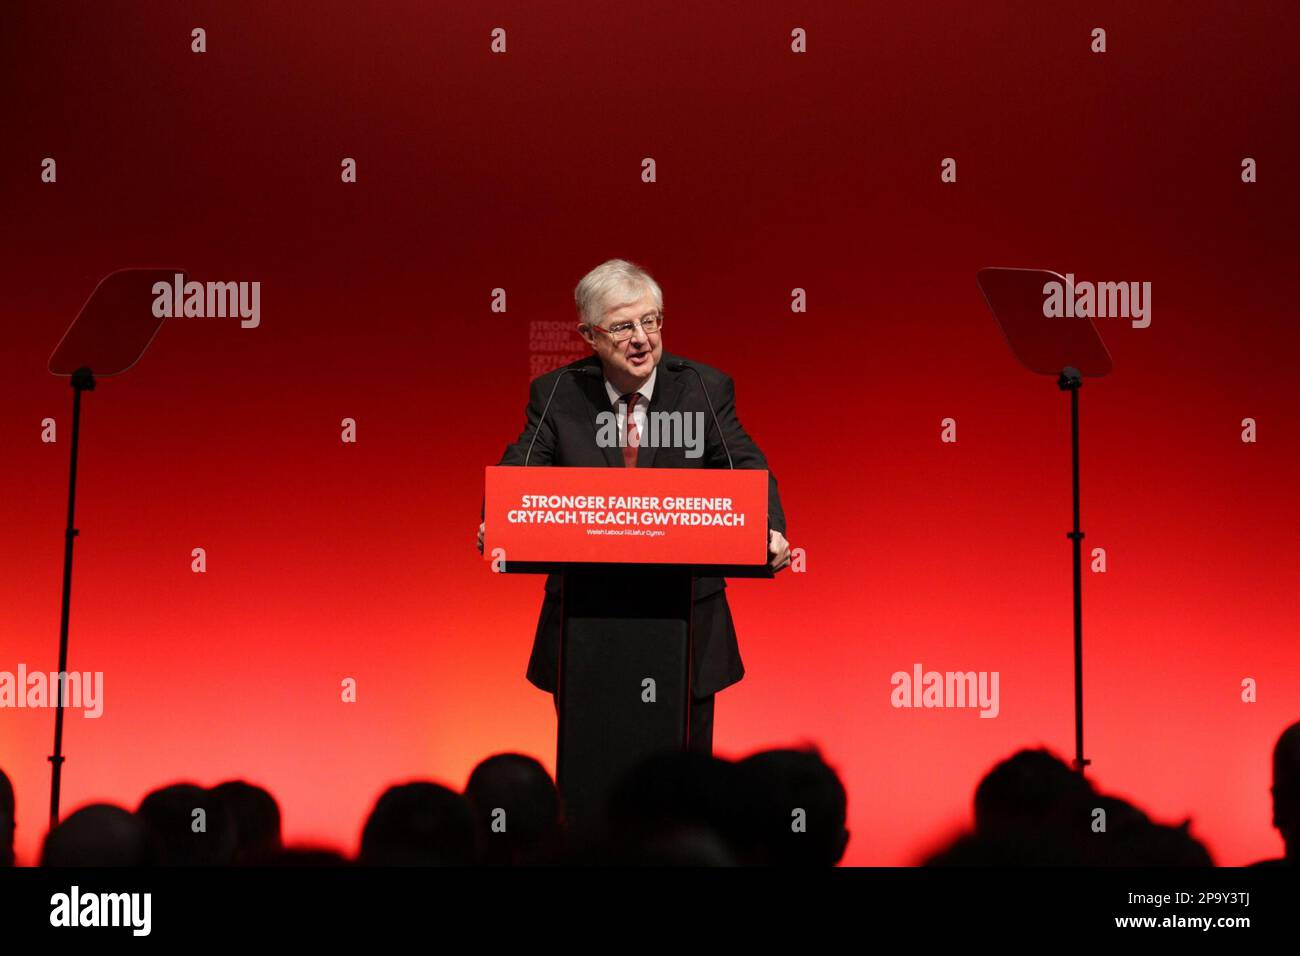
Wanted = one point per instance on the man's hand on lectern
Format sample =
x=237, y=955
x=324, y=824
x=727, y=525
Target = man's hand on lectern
x=779, y=548
x=481, y=526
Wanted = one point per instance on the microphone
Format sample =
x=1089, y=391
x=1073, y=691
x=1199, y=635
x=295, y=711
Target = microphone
x=582, y=370
x=678, y=365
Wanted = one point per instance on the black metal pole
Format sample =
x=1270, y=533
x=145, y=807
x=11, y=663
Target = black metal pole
x=1071, y=380
x=82, y=381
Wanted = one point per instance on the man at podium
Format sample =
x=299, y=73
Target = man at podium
x=621, y=316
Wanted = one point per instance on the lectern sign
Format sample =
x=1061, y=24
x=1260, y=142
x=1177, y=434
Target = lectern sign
x=626, y=515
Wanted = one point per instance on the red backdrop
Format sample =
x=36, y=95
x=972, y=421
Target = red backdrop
x=775, y=171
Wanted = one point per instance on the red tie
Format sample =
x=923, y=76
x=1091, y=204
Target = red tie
x=633, y=434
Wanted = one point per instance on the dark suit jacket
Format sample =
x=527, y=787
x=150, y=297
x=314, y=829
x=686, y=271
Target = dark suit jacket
x=568, y=439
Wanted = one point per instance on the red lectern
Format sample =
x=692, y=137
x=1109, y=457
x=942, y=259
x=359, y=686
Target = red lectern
x=629, y=543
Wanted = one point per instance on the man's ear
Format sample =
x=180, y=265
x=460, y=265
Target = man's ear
x=585, y=331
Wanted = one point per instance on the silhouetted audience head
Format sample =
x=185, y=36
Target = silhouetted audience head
x=256, y=816
x=1006, y=849
x=190, y=826
x=1030, y=789
x=7, y=821
x=1131, y=838
x=671, y=809
x=677, y=845
x=306, y=856
x=516, y=809
x=1160, y=844
x=1033, y=810
x=1286, y=790
x=99, y=835
x=670, y=792
x=419, y=824
x=795, y=809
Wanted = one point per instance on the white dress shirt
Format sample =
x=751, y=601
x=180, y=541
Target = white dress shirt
x=638, y=413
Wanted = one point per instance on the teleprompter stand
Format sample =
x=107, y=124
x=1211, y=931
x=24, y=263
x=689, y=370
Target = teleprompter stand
x=1068, y=349
x=108, y=336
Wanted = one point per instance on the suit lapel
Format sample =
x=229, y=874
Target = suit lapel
x=668, y=388
x=593, y=389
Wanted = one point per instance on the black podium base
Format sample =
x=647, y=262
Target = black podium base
x=624, y=689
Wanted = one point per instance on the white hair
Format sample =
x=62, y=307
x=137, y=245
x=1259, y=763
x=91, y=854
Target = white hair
x=597, y=291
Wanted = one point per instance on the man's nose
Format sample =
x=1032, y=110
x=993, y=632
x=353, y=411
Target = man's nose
x=639, y=336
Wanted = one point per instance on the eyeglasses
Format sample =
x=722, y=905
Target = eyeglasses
x=650, y=324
